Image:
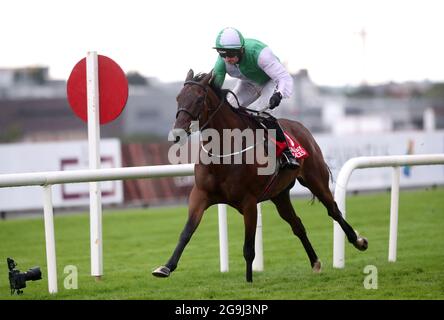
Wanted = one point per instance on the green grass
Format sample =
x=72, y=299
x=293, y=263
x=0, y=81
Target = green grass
x=137, y=241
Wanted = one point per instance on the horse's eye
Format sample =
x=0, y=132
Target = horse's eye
x=199, y=100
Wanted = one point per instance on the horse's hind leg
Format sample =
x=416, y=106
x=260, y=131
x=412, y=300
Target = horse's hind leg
x=198, y=204
x=318, y=185
x=286, y=211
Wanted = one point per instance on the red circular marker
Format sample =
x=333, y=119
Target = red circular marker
x=113, y=89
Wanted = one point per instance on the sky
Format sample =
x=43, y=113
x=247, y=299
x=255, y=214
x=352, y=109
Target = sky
x=164, y=39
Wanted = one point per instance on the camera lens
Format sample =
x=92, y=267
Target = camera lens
x=33, y=274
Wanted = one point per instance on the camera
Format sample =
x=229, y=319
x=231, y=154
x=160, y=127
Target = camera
x=17, y=279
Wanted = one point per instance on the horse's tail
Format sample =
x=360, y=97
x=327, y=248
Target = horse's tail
x=302, y=182
x=313, y=198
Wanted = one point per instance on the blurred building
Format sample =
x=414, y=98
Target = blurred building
x=35, y=108
x=150, y=110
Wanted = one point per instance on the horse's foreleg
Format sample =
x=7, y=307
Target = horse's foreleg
x=249, y=211
x=286, y=211
x=198, y=204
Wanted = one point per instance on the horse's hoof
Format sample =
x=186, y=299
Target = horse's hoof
x=361, y=243
x=317, y=266
x=162, y=272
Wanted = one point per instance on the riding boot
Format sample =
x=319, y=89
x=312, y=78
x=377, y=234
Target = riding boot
x=288, y=160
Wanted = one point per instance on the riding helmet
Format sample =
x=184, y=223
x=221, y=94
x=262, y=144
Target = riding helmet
x=229, y=38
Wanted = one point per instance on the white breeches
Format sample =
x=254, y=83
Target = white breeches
x=252, y=95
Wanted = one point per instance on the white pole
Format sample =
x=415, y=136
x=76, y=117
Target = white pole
x=429, y=120
x=50, y=239
x=95, y=201
x=394, y=208
x=338, y=245
x=338, y=233
x=223, y=237
x=258, y=262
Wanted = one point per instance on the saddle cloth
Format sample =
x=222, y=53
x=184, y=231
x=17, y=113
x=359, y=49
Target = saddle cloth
x=295, y=148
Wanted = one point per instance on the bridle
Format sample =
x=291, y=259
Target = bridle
x=197, y=117
x=193, y=117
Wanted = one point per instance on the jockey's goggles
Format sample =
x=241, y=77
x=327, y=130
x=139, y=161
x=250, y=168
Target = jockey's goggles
x=228, y=53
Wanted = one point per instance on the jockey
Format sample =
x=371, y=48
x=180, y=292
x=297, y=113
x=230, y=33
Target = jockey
x=262, y=78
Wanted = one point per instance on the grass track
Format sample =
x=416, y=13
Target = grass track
x=137, y=241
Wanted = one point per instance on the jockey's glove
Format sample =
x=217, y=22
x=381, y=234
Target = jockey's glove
x=275, y=100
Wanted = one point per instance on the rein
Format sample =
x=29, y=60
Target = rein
x=230, y=154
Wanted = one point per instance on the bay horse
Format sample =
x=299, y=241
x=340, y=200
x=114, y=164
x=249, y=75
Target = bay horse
x=239, y=185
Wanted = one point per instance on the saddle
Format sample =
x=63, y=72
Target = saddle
x=256, y=117
x=267, y=121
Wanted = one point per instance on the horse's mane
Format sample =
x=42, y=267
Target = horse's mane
x=221, y=93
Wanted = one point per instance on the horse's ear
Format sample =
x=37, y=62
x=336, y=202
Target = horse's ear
x=190, y=75
x=208, y=78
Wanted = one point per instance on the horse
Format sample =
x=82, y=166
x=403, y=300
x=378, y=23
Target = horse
x=239, y=185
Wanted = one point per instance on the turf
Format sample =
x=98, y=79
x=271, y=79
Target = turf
x=137, y=241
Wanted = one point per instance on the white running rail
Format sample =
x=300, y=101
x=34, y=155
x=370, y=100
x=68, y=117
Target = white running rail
x=375, y=162
x=47, y=179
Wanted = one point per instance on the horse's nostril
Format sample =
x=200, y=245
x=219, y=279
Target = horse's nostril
x=177, y=139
